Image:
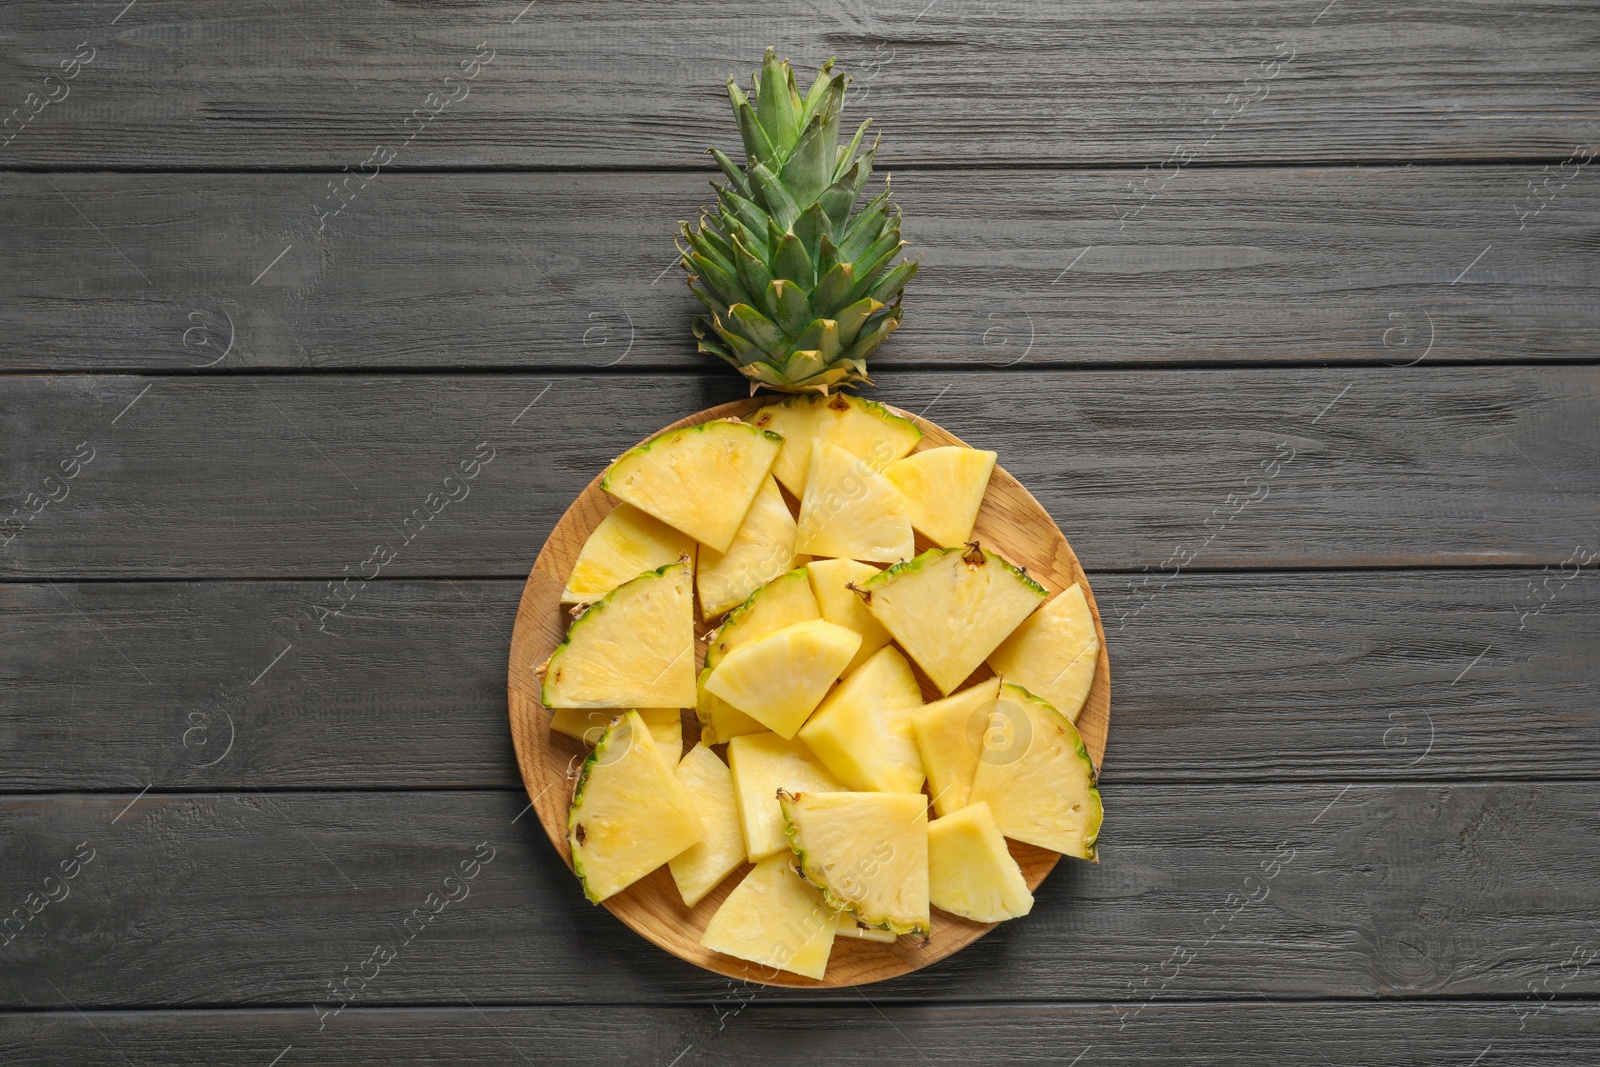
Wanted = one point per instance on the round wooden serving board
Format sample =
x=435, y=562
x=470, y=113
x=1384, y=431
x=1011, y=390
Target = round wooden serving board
x=1011, y=523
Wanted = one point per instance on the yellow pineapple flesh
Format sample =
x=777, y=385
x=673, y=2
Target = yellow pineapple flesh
x=762, y=550
x=627, y=543
x=761, y=765
x=781, y=678
x=949, y=733
x=587, y=724
x=970, y=871
x=775, y=918
x=850, y=511
x=831, y=580
x=698, y=869
x=864, y=428
x=862, y=730
x=782, y=602
x=1053, y=653
x=943, y=489
x=867, y=852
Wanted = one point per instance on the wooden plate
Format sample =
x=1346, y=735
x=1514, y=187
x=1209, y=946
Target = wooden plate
x=1011, y=523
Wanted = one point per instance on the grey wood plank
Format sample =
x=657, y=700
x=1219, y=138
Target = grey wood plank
x=1280, y=676
x=231, y=272
x=1359, y=891
x=295, y=83
x=1295, y=1034
x=302, y=477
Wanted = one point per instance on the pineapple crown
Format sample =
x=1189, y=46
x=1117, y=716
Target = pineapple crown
x=800, y=288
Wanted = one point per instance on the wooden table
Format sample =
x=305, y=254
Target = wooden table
x=258, y=313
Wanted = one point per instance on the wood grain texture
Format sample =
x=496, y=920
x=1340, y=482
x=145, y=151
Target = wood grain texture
x=303, y=477
x=1021, y=268
x=1467, y=890
x=1294, y=1034
x=294, y=83
x=1010, y=522
x=1369, y=664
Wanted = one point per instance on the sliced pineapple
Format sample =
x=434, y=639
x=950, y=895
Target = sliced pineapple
x=831, y=580
x=762, y=764
x=666, y=726
x=1037, y=777
x=950, y=607
x=782, y=602
x=851, y=512
x=775, y=918
x=633, y=647
x=698, y=479
x=781, y=678
x=698, y=869
x=1053, y=653
x=629, y=812
x=970, y=872
x=867, y=852
x=761, y=551
x=943, y=490
x=948, y=733
x=627, y=543
x=720, y=720
x=848, y=927
x=864, y=428
x=862, y=731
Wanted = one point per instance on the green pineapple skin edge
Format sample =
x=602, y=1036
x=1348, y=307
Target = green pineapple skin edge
x=799, y=287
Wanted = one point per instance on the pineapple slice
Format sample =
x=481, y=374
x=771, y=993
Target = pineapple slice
x=698, y=479
x=970, y=872
x=625, y=545
x=781, y=678
x=943, y=490
x=633, y=647
x=864, y=428
x=862, y=731
x=666, y=726
x=702, y=866
x=774, y=918
x=1039, y=781
x=867, y=852
x=949, y=733
x=782, y=602
x=848, y=927
x=950, y=607
x=762, y=764
x=851, y=512
x=761, y=551
x=629, y=813
x=1053, y=653
x=830, y=581
x=720, y=720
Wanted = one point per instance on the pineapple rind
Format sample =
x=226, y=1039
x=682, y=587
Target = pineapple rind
x=995, y=782
x=672, y=687
x=672, y=826
x=689, y=500
x=949, y=654
x=851, y=889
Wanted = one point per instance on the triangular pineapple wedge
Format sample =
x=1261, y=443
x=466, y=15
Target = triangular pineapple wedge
x=762, y=550
x=864, y=428
x=762, y=764
x=782, y=602
x=781, y=678
x=867, y=852
x=943, y=490
x=698, y=869
x=949, y=734
x=632, y=648
x=950, y=607
x=831, y=580
x=629, y=813
x=1053, y=653
x=720, y=720
x=1037, y=778
x=775, y=918
x=862, y=731
x=970, y=871
x=850, y=512
x=625, y=545
x=698, y=479
x=587, y=724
